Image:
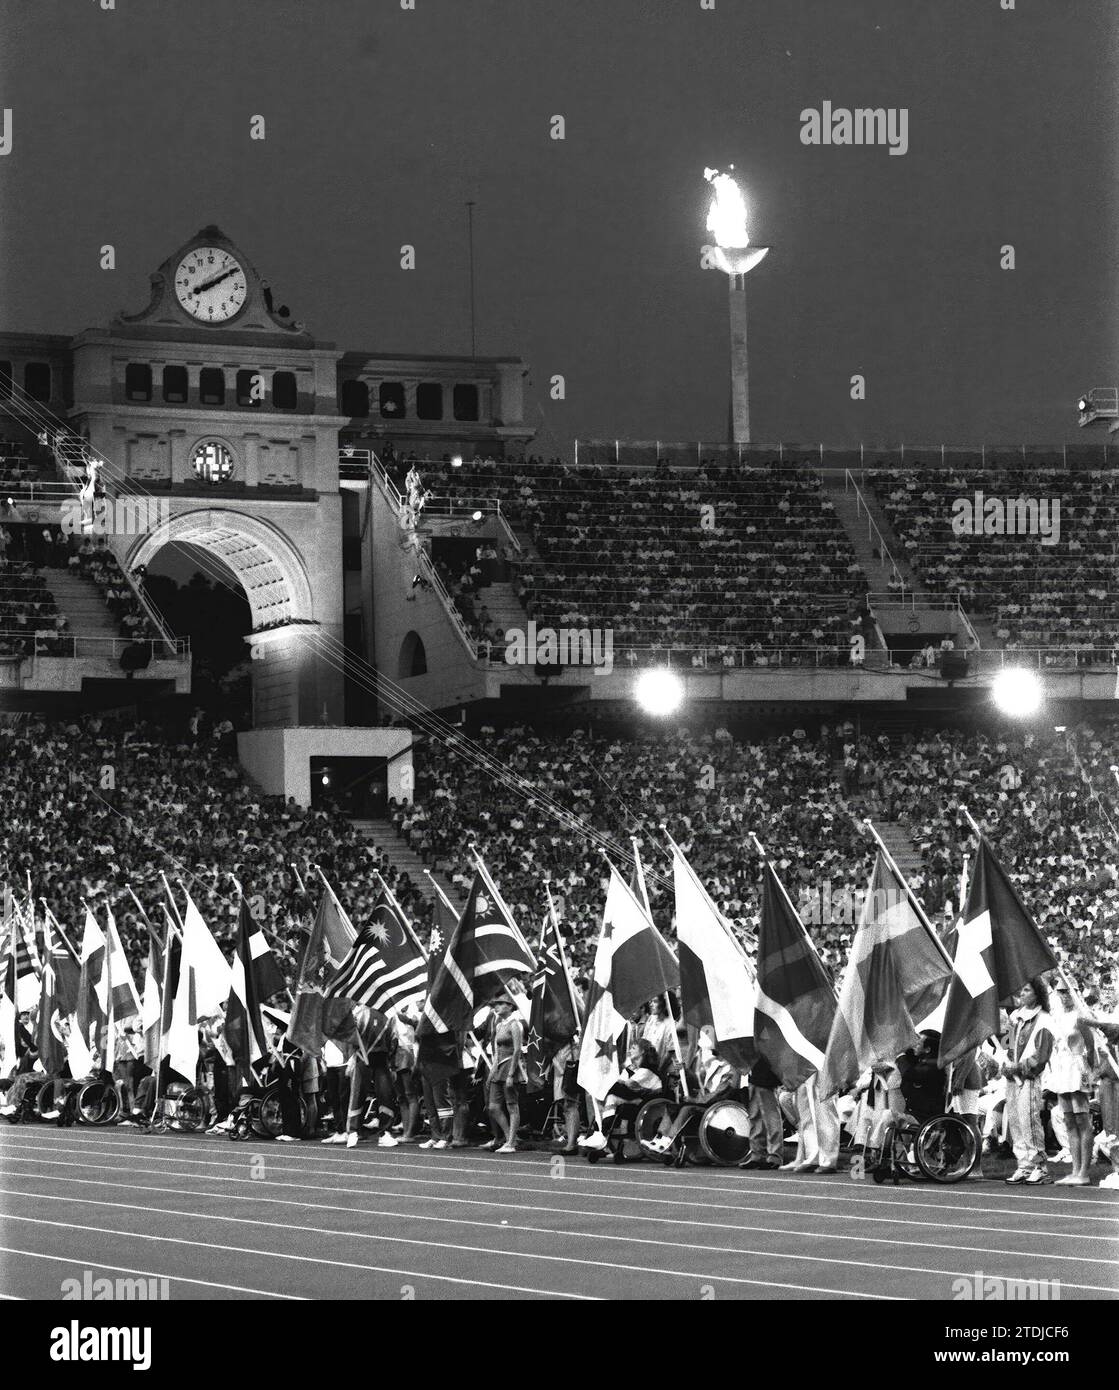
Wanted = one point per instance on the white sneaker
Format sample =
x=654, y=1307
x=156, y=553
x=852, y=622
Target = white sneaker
x=351, y=1140
x=333, y=1139
x=439, y=1144
x=597, y=1140
x=1112, y=1180
x=506, y=1149
x=430, y=1143
x=1063, y=1157
x=286, y=1139
x=8, y=1109
x=49, y=1115
x=386, y=1141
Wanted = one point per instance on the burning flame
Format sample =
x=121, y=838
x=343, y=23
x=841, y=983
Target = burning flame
x=726, y=220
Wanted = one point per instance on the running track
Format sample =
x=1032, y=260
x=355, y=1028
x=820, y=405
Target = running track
x=296, y=1221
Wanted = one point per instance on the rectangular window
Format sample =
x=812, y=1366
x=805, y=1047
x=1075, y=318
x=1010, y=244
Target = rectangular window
x=211, y=386
x=175, y=384
x=355, y=399
x=37, y=380
x=429, y=401
x=284, y=393
x=466, y=401
x=392, y=400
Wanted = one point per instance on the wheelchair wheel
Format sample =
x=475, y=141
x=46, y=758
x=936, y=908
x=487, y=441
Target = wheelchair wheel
x=241, y=1127
x=946, y=1149
x=97, y=1103
x=191, y=1109
x=724, y=1133
x=648, y=1120
x=44, y=1099
x=269, y=1120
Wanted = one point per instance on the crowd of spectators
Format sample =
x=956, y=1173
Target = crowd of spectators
x=175, y=802
x=1060, y=593
x=746, y=566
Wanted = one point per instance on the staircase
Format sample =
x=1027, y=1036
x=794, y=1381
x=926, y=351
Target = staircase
x=901, y=847
x=855, y=518
x=503, y=606
x=80, y=601
x=381, y=834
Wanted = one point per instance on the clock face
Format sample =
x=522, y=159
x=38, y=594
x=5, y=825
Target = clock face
x=210, y=284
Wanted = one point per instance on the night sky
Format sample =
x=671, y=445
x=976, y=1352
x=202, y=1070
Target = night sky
x=131, y=127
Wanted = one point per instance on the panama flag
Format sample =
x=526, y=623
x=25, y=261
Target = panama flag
x=998, y=949
x=633, y=964
x=795, y=1000
x=717, y=985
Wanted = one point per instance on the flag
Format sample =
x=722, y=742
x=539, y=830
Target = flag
x=642, y=964
x=50, y=1035
x=202, y=958
x=998, y=948
x=124, y=1002
x=28, y=966
x=552, y=1020
x=895, y=975
x=313, y=1019
x=795, y=1000
x=91, y=1010
x=717, y=985
x=484, y=953
x=267, y=974
x=604, y=1033
x=385, y=966
x=150, y=1009
x=179, y=1019
x=9, y=1013
x=244, y=1027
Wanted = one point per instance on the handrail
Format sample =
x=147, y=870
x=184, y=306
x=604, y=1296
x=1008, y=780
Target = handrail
x=77, y=646
x=872, y=525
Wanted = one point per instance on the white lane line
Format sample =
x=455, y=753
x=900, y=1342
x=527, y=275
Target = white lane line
x=84, y=1262
x=467, y=1249
x=283, y=1255
x=957, y=1196
x=735, y=1207
x=259, y=1196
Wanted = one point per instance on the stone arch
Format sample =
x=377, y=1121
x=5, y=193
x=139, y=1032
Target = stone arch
x=266, y=564
x=413, y=657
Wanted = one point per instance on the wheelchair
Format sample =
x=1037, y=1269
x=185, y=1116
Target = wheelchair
x=635, y=1122
x=95, y=1103
x=943, y=1149
x=718, y=1135
x=181, y=1106
x=28, y=1107
x=261, y=1115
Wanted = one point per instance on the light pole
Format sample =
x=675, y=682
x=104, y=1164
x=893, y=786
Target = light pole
x=735, y=257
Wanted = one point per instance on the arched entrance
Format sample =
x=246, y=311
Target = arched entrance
x=292, y=683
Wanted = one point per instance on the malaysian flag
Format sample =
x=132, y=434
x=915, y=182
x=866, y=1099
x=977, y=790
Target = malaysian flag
x=485, y=951
x=385, y=966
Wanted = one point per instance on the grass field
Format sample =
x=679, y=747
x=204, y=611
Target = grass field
x=298, y=1221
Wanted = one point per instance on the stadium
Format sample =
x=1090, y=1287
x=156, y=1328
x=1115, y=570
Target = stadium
x=449, y=853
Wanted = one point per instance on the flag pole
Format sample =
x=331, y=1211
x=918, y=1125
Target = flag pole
x=334, y=895
x=922, y=916
x=62, y=935
x=400, y=913
x=501, y=903
x=641, y=877
x=163, y=1009
x=796, y=915
x=575, y=1006
x=445, y=900
x=298, y=880
x=171, y=899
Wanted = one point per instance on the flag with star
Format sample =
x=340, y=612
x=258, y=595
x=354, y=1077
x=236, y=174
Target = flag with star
x=385, y=966
x=632, y=965
x=314, y=1018
x=998, y=949
x=552, y=1020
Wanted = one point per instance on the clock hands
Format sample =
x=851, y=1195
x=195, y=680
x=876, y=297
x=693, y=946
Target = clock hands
x=208, y=284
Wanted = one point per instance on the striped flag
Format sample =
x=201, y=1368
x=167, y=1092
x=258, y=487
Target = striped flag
x=385, y=966
x=28, y=966
x=244, y=1027
x=485, y=952
x=998, y=948
x=795, y=1000
x=8, y=1010
x=895, y=975
x=717, y=985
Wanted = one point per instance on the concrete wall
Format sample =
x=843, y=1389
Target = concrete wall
x=279, y=760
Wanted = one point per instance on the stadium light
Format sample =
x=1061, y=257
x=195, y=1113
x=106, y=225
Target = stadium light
x=476, y=516
x=659, y=691
x=734, y=256
x=456, y=461
x=1017, y=692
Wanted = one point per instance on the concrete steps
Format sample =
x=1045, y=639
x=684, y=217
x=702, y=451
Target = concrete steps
x=382, y=835
x=81, y=602
x=897, y=841
x=503, y=606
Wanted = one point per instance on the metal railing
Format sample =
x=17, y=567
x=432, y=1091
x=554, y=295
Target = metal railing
x=873, y=531
x=71, y=647
x=647, y=453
